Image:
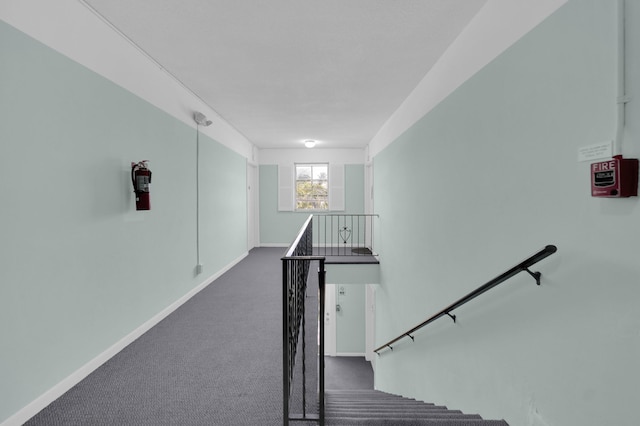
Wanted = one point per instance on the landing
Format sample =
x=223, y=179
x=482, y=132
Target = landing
x=346, y=255
x=347, y=373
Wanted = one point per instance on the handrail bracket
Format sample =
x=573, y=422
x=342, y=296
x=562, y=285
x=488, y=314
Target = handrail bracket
x=452, y=316
x=536, y=275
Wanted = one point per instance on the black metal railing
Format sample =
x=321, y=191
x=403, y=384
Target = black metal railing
x=295, y=271
x=521, y=267
x=344, y=234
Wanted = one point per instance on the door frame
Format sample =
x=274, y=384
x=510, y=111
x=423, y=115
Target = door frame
x=253, y=207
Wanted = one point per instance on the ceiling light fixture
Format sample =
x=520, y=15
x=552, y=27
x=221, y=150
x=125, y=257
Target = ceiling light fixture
x=309, y=143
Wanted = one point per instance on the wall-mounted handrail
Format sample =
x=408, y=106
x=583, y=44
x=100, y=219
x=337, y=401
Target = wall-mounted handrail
x=521, y=267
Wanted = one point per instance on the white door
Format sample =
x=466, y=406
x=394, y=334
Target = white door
x=330, y=320
x=347, y=320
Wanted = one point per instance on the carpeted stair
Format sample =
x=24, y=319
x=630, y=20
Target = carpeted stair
x=373, y=408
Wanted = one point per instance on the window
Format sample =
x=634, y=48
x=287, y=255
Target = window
x=312, y=186
x=333, y=188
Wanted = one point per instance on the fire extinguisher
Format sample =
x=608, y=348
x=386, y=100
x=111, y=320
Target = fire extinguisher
x=141, y=179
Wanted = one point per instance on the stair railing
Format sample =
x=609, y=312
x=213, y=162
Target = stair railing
x=344, y=234
x=521, y=267
x=295, y=270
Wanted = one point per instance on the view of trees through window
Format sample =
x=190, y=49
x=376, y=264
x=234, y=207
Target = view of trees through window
x=312, y=186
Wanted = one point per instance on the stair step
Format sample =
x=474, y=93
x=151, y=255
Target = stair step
x=369, y=398
x=413, y=422
x=369, y=404
x=392, y=410
x=459, y=416
x=375, y=401
x=372, y=399
x=375, y=408
x=363, y=392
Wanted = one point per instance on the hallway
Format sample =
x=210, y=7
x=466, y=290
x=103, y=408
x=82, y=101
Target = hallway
x=216, y=361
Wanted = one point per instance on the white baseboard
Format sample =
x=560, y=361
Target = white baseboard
x=283, y=245
x=361, y=354
x=77, y=376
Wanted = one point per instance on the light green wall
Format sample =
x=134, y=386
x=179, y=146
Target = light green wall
x=80, y=268
x=223, y=205
x=362, y=273
x=350, y=320
x=277, y=227
x=482, y=182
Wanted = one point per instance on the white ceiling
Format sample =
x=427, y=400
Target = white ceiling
x=282, y=71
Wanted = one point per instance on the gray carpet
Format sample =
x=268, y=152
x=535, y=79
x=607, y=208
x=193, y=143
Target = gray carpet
x=352, y=401
x=348, y=373
x=374, y=408
x=217, y=360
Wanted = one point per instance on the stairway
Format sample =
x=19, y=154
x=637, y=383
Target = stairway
x=373, y=408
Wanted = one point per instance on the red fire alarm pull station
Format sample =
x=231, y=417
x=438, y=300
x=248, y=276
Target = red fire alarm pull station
x=141, y=179
x=615, y=178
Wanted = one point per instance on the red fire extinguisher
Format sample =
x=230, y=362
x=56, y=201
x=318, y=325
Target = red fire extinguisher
x=141, y=179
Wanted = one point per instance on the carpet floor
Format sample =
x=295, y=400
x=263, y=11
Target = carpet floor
x=217, y=360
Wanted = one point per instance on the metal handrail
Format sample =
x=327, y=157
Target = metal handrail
x=299, y=237
x=295, y=269
x=521, y=267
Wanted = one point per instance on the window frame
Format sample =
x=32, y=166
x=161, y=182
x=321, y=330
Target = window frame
x=326, y=181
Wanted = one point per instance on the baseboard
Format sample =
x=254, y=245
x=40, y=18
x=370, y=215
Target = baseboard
x=360, y=354
x=283, y=245
x=77, y=376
